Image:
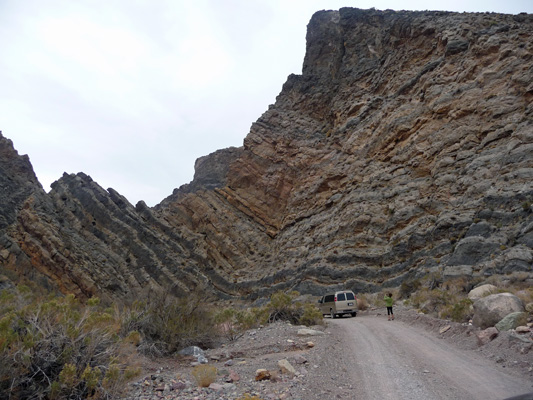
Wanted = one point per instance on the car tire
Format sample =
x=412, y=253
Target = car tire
x=354, y=314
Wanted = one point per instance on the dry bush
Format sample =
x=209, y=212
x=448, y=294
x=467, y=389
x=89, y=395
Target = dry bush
x=460, y=311
x=283, y=307
x=248, y=396
x=168, y=324
x=374, y=299
x=431, y=301
x=311, y=315
x=362, y=302
x=233, y=323
x=204, y=374
x=58, y=348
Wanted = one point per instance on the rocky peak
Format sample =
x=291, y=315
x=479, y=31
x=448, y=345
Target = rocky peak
x=17, y=180
x=405, y=148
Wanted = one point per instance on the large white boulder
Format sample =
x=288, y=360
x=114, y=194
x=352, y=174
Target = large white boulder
x=490, y=310
x=482, y=291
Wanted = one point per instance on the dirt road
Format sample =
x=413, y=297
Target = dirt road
x=395, y=360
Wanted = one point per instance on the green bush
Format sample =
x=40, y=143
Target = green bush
x=233, y=324
x=283, y=307
x=311, y=315
x=57, y=348
x=458, y=312
x=168, y=324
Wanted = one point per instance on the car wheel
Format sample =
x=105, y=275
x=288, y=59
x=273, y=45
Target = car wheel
x=354, y=314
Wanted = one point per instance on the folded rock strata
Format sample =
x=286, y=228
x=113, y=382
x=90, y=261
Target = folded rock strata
x=405, y=147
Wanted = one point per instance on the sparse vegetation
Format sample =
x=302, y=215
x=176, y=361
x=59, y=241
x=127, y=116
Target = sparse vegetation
x=460, y=311
x=311, y=315
x=168, y=324
x=282, y=306
x=234, y=323
x=204, y=374
x=409, y=287
x=57, y=348
x=362, y=303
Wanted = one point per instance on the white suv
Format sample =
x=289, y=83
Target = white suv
x=338, y=303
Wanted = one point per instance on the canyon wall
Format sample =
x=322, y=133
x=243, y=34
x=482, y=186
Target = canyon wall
x=405, y=148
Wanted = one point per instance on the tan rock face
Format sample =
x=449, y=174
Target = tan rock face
x=405, y=147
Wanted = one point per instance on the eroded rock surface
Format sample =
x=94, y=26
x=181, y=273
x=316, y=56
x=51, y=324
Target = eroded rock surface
x=405, y=147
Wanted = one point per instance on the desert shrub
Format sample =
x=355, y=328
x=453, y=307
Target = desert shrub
x=234, y=323
x=409, y=287
x=58, y=348
x=458, y=285
x=460, y=311
x=362, y=303
x=431, y=301
x=168, y=324
x=375, y=299
x=281, y=307
x=204, y=374
x=311, y=315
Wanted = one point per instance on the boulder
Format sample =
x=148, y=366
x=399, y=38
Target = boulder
x=487, y=335
x=217, y=387
x=522, y=329
x=233, y=377
x=286, y=367
x=299, y=359
x=512, y=321
x=262, y=374
x=490, y=310
x=309, y=332
x=444, y=329
x=482, y=291
x=196, y=352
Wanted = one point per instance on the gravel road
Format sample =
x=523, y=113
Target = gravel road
x=364, y=358
x=395, y=360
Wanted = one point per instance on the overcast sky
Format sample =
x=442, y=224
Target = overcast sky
x=132, y=92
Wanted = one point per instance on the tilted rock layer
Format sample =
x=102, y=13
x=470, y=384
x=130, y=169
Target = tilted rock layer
x=404, y=148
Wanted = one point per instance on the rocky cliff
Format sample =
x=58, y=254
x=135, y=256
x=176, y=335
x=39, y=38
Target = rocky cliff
x=404, y=148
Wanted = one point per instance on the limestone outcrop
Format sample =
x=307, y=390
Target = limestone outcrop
x=404, y=148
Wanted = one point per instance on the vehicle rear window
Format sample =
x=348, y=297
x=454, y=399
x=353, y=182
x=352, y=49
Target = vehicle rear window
x=329, y=298
x=350, y=296
x=341, y=297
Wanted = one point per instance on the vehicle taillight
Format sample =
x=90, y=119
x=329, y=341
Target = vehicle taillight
x=335, y=298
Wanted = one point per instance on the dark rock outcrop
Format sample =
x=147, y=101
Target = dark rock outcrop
x=405, y=147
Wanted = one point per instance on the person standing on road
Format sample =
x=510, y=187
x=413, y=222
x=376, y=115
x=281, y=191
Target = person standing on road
x=388, y=302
